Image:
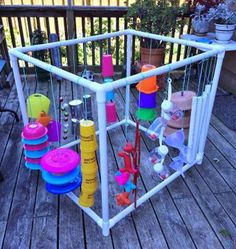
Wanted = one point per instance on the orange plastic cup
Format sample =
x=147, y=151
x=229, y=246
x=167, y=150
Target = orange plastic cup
x=148, y=85
x=44, y=118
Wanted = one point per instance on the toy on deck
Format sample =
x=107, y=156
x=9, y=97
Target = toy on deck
x=37, y=103
x=127, y=176
x=89, y=168
x=147, y=96
x=107, y=74
x=61, y=170
x=34, y=139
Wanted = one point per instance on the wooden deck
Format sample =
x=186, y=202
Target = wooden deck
x=198, y=211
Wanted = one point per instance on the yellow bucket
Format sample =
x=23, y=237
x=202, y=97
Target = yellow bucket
x=87, y=136
x=86, y=199
x=88, y=162
x=37, y=103
x=89, y=182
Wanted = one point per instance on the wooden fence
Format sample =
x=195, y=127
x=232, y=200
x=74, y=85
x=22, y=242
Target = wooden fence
x=70, y=22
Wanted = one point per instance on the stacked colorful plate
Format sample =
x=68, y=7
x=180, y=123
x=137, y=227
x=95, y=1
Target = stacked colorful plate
x=61, y=170
x=35, y=143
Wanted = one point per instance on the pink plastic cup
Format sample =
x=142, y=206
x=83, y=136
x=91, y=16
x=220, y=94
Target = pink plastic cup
x=107, y=66
x=54, y=131
x=32, y=160
x=111, y=112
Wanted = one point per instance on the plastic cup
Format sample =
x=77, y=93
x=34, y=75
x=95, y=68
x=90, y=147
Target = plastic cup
x=76, y=109
x=154, y=129
x=89, y=182
x=111, y=112
x=37, y=103
x=148, y=85
x=107, y=66
x=88, y=162
x=44, y=118
x=86, y=199
x=111, y=94
x=146, y=114
x=33, y=131
x=147, y=100
x=54, y=131
x=87, y=135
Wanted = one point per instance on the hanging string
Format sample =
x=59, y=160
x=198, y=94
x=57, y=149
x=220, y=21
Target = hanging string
x=205, y=73
x=199, y=79
x=54, y=107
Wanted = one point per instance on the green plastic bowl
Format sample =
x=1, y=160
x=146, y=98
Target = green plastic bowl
x=146, y=114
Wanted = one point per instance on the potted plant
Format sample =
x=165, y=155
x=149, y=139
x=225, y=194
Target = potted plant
x=224, y=17
x=155, y=17
x=200, y=21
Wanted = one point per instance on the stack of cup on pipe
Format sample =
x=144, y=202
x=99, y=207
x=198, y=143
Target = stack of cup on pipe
x=61, y=170
x=89, y=167
x=107, y=74
x=147, y=96
x=35, y=143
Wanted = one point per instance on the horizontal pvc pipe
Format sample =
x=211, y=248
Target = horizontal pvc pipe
x=158, y=71
x=88, y=211
x=97, y=133
x=195, y=44
x=94, y=86
x=70, y=42
x=149, y=194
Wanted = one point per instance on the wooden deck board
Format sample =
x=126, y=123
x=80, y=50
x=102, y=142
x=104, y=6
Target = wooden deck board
x=191, y=212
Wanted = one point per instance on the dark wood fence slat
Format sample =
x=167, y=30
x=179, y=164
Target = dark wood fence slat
x=66, y=35
x=93, y=45
x=109, y=31
x=100, y=42
x=171, y=47
x=117, y=41
x=181, y=32
x=13, y=39
x=84, y=44
x=21, y=33
x=38, y=23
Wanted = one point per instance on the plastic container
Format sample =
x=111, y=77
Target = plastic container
x=176, y=139
x=158, y=153
x=148, y=85
x=88, y=162
x=37, y=103
x=88, y=141
x=86, y=199
x=54, y=131
x=111, y=112
x=60, y=161
x=107, y=66
x=154, y=129
x=89, y=182
x=34, y=131
x=146, y=114
x=147, y=100
x=76, y=109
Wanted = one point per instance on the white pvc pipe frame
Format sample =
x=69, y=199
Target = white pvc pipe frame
x=100, y=89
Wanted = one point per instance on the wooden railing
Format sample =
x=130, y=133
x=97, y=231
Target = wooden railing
x=70, y=22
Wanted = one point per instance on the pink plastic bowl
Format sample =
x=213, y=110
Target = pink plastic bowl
x=60, y=160
x=34, y=131
x=32, y=160
x=36, y=147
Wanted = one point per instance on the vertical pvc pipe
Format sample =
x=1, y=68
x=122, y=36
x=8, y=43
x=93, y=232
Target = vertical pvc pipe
x=101, y=98
x=128, y=73
x=192, y=129
x=19, y=88
x=212, y=94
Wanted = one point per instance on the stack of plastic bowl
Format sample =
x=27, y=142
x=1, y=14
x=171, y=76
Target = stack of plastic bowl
x=147, y=96
x=61, y=170
x=89, y=165
x=35, y=143
x=107, y=74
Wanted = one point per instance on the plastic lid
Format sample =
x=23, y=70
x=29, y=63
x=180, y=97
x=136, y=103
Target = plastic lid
x=34, y=131
x=60, y=160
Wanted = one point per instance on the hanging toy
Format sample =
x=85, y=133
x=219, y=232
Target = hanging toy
x=34, y=139
x=87, y=74
x=122, y=199
x=43, y=118
x=161, y=170
x=147, y=96
x=37, y=103
x=54, y=131
x=158, y=154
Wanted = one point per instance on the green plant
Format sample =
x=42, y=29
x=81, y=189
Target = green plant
x=156, y=17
